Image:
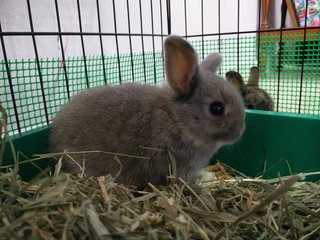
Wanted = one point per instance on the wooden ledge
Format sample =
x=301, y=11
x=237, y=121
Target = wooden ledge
x=297, y=34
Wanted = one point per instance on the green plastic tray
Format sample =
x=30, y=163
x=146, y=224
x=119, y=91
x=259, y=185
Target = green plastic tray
x=276, y=144
x=280, y=143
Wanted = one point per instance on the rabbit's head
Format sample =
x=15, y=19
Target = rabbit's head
x=257, y=98
x=253, y=96
x=210, y=109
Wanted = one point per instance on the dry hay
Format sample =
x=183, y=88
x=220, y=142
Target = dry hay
x=74, y=206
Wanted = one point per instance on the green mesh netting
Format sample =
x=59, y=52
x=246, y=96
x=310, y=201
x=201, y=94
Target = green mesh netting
x=147, y=68
x=291, y=91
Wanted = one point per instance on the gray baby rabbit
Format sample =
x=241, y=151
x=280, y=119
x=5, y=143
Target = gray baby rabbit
x=192, y=116
x=254, y=97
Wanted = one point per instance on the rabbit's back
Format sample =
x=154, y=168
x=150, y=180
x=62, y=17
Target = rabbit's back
x=100, y=119
x=95, y=113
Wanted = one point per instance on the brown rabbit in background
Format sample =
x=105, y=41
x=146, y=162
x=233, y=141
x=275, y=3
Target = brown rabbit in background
x=192, y=116
x=254, y=97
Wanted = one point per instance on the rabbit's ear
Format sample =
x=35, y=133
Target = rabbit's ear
x=211, y=63
x=181, y=64
x=254, y=77
x=235, y=79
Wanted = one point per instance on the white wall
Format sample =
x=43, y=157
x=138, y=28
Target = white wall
x=14, y=17
x=228, y=21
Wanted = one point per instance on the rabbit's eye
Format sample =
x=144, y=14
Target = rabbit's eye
x=217, y=108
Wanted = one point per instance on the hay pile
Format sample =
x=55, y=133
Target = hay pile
x=74, y=206
x=68, y=206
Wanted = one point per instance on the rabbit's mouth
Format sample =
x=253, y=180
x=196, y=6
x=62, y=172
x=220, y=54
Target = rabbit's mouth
x=229, y=136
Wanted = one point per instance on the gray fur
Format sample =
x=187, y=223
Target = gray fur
x=254, y=97
x=175, y=117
